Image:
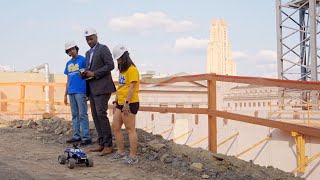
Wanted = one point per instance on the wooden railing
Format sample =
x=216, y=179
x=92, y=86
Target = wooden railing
x=211, y=111
x=22, y=99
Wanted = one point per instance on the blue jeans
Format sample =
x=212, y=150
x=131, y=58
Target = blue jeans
x=78, y=104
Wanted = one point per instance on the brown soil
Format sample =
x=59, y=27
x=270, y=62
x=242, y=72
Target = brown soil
x=30, y=151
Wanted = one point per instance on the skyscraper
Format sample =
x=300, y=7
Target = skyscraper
x=219, y=58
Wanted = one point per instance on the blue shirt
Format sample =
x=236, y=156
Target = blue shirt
x=91, y=54
x=76, y=85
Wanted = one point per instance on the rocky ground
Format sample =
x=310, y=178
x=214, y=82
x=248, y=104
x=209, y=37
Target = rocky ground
x=29, y=150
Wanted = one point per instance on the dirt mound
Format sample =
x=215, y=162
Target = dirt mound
x=161, y=156
x=171, y=157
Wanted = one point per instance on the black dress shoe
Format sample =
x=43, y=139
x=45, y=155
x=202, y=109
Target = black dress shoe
x=72, y=140
x=85, y=142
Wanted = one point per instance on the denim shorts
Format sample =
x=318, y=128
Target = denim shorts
x=134, y=107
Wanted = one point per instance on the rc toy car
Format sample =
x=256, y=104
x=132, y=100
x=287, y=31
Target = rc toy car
x=74, y=156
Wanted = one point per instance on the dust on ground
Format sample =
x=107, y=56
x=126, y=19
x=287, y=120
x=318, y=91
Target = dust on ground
x=29, y=150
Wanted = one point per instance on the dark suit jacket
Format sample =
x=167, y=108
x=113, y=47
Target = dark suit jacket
x=102, y=65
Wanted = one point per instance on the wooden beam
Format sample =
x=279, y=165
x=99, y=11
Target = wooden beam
x=310, y=131
x=212, y=118
x=31, y=101
x=11, y=100
x=44, y=84
x=189, y=78
x=172, y=110
x=32, y=84
x=172, y=92
x=175, y=110
x=307, y=162
x=231, y=137
x=254, y=145
x=8, y=84
x=22, y=95
x=305, y=85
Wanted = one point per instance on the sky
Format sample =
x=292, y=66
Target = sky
x=164, y=36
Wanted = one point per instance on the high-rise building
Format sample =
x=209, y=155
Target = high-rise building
x=219, y=58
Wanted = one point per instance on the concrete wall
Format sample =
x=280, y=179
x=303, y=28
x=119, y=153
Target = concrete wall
x=279, y=151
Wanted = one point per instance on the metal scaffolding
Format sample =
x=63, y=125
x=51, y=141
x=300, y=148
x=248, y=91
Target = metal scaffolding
x=297, y=48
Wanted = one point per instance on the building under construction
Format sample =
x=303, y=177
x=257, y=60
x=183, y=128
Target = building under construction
x=272, y=122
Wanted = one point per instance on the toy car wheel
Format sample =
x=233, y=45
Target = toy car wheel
x=62, y=159
x=89, y=162
x=71, y=163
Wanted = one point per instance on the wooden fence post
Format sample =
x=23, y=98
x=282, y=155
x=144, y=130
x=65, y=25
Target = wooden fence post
x=212, y=119
x=22, y=95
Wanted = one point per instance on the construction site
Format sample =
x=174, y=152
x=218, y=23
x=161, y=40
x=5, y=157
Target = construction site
x=216, y=125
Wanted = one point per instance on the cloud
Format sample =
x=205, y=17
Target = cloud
x=140, y=22
x=262, y=63
x=268, y=55
x=239, y=55
x=262, y=56
x=190, y=43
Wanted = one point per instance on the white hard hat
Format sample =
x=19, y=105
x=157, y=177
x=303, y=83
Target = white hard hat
x=118, y=51
x=89, y=32
x=69, y=45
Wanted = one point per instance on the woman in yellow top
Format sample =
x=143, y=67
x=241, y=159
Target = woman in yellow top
x=126, y=105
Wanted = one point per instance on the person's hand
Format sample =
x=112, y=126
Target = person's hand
x=65, y=99
x=89, y=74
x=82, y=75
x=126, y=109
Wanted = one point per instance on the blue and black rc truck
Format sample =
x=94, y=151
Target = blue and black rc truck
x=74, y=156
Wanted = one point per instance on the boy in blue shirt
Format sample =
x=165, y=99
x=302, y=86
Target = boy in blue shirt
x=76, y=89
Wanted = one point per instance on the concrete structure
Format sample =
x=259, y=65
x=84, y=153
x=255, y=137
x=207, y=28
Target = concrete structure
x=219, y=56
x=280, y=150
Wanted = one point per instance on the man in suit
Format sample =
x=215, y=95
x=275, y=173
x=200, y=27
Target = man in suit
x=99, y=88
